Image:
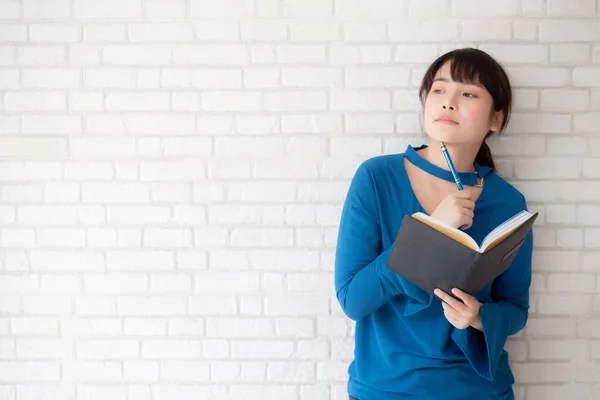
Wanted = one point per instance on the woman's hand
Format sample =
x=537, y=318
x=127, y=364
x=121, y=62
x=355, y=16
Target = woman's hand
x=461, y=315
x=456, y=210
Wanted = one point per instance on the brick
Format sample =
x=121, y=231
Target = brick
x=137, y=101
x=225, y=31
x=579, y=8
x=293, y=372
x=258, y=350
x=572, y=283
x=484, y=31
x=51, y=78
x=138, y=55
x=360, y=100
x=342, y=54
x=213, y=78
x=533, y=8
x=36, y=55
x=567, y=304
x=570, y=53
x=525, y=31
x=185, y=371
x=295, y=101
x=257, y=238
x=301, y=54
x=107, y=349
x=247, y=146
x=293, y=326
x=561, y=214
x=380, y=9
x=359, y=31
x=554, y=168
x=105, y=32
x=10, y=79
x=273, y=260
x=230, y=101
x=546, y=123
x=113, y=9
x=257, y=124
x=315, y=32
x=311, y=77
x=54, y=33
x=10, y=10
x=264, y=31
x=362, y=147
x=473, y=8
x=375, y=77
x=567, y=146
x=424, y=31
x=569, y=31
x=165, y=9
x=582, y=122
x=307, y=8
x=225, y=9
x=161, y=32
x=27, y=148
x=592, y=238
x=297, y=305
x=557, y=392
x=543, y=372
x=10, y=32
x=191, y=392
x=240, y=392
x=264, y=77
x=239, y=328
x=311, y=123
x=23, y=371
x=570, y=238
x=517, y=54
x=151, y=305
x=535, y=76
x=286, y=169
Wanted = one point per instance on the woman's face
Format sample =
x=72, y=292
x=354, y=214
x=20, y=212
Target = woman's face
x=459, y=113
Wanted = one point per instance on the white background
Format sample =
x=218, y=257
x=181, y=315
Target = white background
x=172, y=174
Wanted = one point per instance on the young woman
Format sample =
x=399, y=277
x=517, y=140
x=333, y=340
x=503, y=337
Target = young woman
x=408, y=343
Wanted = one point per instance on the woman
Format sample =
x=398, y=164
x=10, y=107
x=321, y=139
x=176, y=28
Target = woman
x=408, y=343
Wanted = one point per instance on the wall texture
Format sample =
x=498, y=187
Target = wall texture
x=172, y=174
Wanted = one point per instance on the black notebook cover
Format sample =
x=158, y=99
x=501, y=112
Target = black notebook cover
x=429, y=259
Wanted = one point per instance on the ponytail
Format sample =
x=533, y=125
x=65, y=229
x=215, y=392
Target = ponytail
x=484, y=156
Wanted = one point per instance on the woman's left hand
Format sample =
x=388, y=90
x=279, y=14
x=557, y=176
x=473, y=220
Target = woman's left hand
x=461, y=315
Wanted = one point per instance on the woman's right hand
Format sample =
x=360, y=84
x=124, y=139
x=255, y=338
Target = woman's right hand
x=456, y=210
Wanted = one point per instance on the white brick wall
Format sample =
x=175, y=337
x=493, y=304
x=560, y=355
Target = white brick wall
x=172, y=174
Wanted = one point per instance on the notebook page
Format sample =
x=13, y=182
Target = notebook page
x=448, y=230
x=504, y=229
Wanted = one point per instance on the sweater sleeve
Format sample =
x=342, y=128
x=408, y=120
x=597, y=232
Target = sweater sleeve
x=363, y=282
x=504, y=316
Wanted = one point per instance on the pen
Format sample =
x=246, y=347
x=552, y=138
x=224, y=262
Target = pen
x=451, y=166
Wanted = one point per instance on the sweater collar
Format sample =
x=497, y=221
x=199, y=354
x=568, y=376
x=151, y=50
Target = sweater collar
x=467, y=178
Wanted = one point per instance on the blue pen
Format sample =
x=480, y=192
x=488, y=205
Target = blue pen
x=451, y=166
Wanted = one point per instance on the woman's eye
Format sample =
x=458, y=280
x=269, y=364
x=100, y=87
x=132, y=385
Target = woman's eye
x=438, y=91
x=469, y=95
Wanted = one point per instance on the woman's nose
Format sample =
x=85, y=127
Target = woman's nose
x=448, y=107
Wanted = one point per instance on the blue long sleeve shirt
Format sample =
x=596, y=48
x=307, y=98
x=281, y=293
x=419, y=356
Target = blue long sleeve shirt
x=404, y=346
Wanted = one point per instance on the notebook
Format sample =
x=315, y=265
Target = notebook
x=431, y=254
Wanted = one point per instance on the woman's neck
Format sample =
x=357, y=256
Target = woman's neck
x=463, y=156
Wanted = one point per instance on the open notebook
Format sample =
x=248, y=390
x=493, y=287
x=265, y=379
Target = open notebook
x=492, y=239
x=431, y=254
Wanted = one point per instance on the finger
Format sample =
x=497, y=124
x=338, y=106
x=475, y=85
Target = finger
x=456, y=304
x=467, y=299
x=468, y=212
x=467, y=203
x=450, y=312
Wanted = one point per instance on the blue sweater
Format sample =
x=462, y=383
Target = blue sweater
x=404, y=346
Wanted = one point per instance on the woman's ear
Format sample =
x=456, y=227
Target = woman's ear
x=497, y=119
